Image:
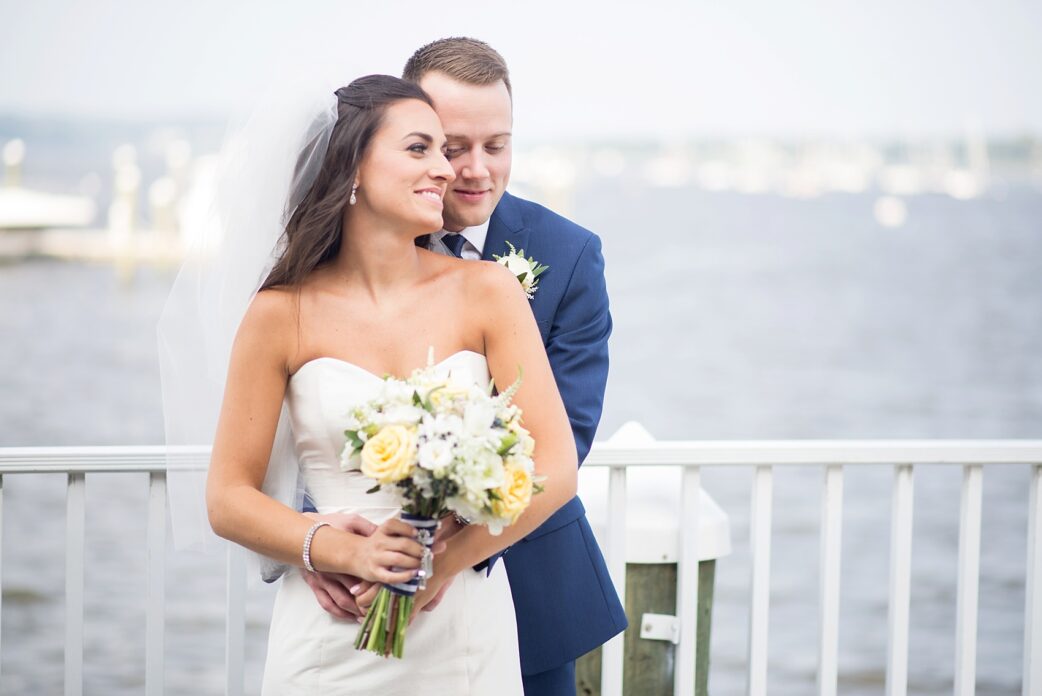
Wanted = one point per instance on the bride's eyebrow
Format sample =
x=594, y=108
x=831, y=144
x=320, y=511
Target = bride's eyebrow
x=418, y=134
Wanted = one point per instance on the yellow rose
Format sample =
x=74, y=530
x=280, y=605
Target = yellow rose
x=514, y=494
x=448, y=392
x=389, y=455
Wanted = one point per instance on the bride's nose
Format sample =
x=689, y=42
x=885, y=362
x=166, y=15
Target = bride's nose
x=443, y=170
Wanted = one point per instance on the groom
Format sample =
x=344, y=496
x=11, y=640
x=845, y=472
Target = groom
x=564, y=599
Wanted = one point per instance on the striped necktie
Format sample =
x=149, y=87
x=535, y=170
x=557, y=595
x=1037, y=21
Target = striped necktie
x=454, y=242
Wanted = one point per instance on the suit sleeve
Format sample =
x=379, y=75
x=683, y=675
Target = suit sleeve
x=578, y=345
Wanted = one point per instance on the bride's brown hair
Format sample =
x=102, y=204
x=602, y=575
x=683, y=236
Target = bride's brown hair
x=313, y=233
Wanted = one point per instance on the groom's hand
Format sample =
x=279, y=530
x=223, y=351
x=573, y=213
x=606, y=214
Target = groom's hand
x=333, y=590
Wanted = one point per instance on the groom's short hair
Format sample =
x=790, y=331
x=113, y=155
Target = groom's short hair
x=467, y=60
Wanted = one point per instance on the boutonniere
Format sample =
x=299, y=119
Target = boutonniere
x=527, y=270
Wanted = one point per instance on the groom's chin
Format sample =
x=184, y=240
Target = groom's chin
x=462, y=214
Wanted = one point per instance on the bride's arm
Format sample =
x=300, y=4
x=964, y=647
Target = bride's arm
x=512, y=342
x=238, y=510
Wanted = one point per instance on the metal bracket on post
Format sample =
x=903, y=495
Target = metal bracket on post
x=660, y=627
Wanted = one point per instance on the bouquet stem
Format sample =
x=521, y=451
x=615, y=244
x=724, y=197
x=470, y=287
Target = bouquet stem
x=383, y=631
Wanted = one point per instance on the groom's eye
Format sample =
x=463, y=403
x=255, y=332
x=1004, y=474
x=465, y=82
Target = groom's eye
x=451, y=152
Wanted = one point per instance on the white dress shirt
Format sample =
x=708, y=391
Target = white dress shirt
x=473, y=247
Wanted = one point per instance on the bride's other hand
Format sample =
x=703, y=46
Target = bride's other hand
x=448, y=527
x=333, y=590
x=436, y=599
x=391, y=554
x=430, y=598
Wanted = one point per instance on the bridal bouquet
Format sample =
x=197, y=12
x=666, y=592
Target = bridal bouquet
x=440, y=447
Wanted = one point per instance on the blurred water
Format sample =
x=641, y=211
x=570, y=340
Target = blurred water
x=735, y=317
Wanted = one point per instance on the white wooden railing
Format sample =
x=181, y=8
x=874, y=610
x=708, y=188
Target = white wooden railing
x=832, y=456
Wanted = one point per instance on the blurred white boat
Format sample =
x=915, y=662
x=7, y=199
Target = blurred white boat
x=25, y=209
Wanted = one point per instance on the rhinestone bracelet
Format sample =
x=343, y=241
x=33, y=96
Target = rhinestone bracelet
x=307, y=544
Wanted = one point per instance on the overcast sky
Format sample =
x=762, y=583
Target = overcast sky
x=653, y=68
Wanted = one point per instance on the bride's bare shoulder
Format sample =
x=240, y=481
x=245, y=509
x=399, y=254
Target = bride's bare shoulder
x=273, y=305
x=491, y=284
x=269, y=325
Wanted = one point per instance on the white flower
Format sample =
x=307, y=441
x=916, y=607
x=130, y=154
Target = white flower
x=396, y=391
x=485, y=472
x=402, y=414
x=516, y=264
x=435, y=455
x=478, y=417
x=422, y=479
x=443, y=425
x=527, y=270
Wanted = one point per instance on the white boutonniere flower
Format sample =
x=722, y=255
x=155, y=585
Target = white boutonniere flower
x=527, y=270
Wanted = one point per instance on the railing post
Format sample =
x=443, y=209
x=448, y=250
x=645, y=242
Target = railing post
x=1032, y=679
x=1, y=570
x=760, y=584
x=829, y=578
x=900, y=582
x=613, y=653
x=75, y=520
x=156, y=601
x=235, y=636
x=968, y=582
x=686, y=665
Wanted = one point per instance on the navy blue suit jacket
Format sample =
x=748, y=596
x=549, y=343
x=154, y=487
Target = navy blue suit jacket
x=565, y=601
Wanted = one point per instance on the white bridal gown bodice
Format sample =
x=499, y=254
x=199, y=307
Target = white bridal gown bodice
x=467, y=645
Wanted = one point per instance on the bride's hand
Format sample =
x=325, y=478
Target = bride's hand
x=391, y=554
x=365, y=591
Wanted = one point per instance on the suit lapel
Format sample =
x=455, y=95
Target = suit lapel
x=506, y=225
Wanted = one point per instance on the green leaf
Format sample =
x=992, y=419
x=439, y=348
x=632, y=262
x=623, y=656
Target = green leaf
x=505, y=445
x=356, y=442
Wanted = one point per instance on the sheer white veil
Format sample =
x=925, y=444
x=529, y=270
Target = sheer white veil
x=265, y=168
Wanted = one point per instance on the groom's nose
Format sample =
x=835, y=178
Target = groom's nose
x=473, y=166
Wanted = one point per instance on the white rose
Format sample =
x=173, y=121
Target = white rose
x=517, y=265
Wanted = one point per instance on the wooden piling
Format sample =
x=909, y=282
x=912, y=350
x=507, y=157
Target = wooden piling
x=648, y=671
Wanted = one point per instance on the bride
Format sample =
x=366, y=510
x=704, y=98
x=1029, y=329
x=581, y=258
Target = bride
x=351, y=296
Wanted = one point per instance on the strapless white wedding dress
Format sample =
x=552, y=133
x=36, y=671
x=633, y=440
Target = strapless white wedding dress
x=466, y=646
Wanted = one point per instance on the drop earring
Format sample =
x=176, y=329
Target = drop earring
x=353, y=199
